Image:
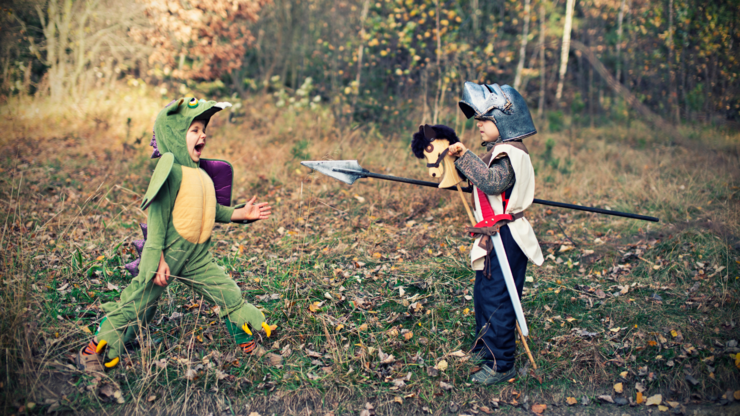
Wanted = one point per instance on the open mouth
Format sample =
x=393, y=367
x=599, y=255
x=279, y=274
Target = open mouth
x=199, y=147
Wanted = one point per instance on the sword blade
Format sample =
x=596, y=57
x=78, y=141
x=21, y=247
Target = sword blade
x=503, y=261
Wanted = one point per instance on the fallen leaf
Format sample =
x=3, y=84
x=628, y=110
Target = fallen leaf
x=663, y=408
x=538, y=408
x=314, y=307
x=446, y=386
x=639, y=398
x=369, y=410
x=119, y=397
x=106, y=390
x=457, y=353
x=312, y=353
x=407, y=336
x=571, y=401
x=339, y=327
x=151, y=398
x=441, y=366
x=606, y=398
x=274, y=359
x=654, y=400
x=618, y=388
x=736, y=395
x=385, y=358
x=485, y=409
x=363, y=327
x=399, y=383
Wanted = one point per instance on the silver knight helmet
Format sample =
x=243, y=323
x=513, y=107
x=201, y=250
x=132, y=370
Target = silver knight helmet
x=502, y=105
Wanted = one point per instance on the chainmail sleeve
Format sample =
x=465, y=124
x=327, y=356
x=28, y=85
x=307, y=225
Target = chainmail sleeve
x=491, y=180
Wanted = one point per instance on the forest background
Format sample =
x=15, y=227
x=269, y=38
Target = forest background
x=637, y=104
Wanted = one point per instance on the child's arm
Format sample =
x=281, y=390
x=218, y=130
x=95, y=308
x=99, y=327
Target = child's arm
x=249, y=212
x=491, y=180
x=152, y=263
x=252, y=212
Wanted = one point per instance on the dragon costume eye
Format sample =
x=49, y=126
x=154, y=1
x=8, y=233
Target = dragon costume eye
x=193, y=103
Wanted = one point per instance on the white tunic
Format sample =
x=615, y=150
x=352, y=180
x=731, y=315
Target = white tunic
x=521, y=198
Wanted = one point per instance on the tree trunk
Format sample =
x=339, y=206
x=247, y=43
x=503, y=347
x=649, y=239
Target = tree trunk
x=565, y=49
x=673, y=100
x=360, y=51
x=523, y=47
x=27, y=78
x=541, y=104
x=619, y=41
x=439, y=67
x=476, y=12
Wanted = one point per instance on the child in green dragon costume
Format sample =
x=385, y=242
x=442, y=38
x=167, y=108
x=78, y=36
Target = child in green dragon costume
x=187, y=195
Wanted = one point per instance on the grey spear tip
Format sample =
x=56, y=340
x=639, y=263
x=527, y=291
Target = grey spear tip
x=327, y=168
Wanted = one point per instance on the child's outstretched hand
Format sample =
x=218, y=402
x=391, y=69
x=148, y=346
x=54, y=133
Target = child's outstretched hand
x=252, y=211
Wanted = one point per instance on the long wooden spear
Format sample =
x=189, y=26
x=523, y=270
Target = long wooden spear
x=348, y=171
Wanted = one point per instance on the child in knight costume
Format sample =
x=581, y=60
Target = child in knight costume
x=503, y=182
x=187, y=195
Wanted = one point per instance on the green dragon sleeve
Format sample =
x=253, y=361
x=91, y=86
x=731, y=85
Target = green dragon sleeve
x=223, y=214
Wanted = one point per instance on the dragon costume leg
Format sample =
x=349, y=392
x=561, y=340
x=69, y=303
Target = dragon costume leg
x=211, y=281
x=138, y=301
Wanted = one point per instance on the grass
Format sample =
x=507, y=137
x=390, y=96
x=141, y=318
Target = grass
x=350, y=274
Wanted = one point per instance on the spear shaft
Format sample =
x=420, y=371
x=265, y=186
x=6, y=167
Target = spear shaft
x=367, y=174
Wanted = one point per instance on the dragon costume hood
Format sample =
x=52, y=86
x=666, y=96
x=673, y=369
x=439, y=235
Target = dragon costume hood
x=172, y=125
x=170, y=145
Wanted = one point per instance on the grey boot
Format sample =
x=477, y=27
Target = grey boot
x=488, y=376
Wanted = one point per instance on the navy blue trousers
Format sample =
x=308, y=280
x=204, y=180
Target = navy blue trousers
x=495, y=319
